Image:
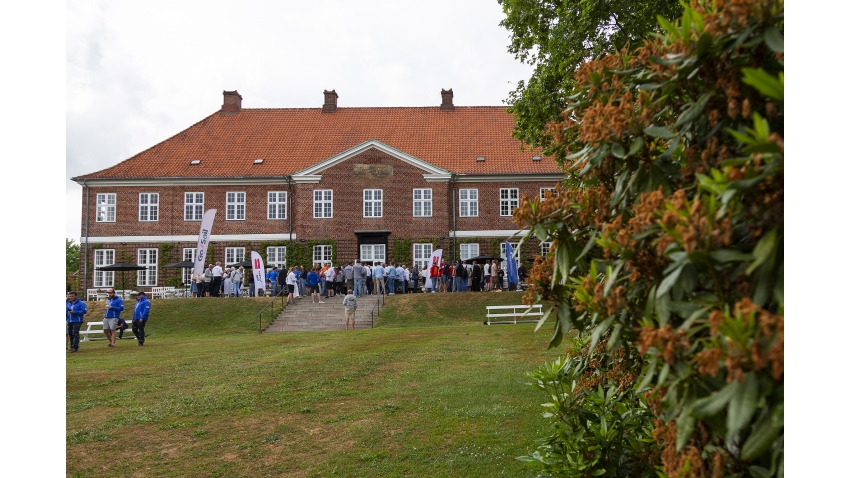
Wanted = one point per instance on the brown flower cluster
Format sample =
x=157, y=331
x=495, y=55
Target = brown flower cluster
x=689, y=225
x=603, y=368
x=667, y=340
x=688, y=462
x=764, y=349
x=539, y=279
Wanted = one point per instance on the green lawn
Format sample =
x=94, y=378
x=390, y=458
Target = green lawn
x=428, y=392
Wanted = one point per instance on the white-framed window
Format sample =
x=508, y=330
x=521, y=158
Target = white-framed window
x=232, y=255
x=188, y=255
x=149, y=207
x=193, y=206
x=323, y=203
x=468, y=251
x=373, y=203
x=422, y=254
x=373, y=252
x=514, y=246
x=422, y=202
x=543, y=192
x=235, y=206
x=322, y=254
x=277, y=205
x=468, y=201
x=276, y=257
x=544, y=249
x=508, y=201
x=104, y=257
x=105, y=207
x=147, y=258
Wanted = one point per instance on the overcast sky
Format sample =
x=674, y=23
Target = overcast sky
x=140, y=72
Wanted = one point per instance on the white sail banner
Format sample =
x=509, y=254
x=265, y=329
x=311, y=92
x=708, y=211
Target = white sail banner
x=203, y=240
x=259, y=271
x=436, y=256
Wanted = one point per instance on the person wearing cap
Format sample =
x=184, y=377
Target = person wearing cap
x=114, y=306
x=140, y=316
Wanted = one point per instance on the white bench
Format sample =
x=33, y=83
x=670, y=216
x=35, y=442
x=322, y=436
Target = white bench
x=158, y=292
x=513, y=311
x=94, y=331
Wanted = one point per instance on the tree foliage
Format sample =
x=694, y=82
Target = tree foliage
x=72, y=261
x=556, y=37
x=667, y=253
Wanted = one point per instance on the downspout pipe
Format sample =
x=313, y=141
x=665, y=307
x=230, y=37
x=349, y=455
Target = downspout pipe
x=454, y=216
x=86, y=255
x=289, y=206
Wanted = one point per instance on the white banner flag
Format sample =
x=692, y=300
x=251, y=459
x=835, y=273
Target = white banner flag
x=436, y=256
x=259, y=271
x=203, y=240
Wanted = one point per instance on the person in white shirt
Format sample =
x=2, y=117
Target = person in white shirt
x=216, y=280
x=329, y=280
x=290, y=285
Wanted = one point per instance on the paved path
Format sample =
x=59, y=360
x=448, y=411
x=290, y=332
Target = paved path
x=305, y=316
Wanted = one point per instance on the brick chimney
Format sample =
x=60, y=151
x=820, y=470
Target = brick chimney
x=232, y=102
x=447, y=100
x=330, y=101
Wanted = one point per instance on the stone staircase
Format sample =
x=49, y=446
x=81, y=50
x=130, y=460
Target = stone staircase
x=305, y=316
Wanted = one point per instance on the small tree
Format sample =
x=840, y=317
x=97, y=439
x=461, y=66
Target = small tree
x=668, y=255
x=72, y=263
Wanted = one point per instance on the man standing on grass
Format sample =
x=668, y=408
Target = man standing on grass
x=350, y=303
x=140, y=316
x=75, y=309
x=114, y=306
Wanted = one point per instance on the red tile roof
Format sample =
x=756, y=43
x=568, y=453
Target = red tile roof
x=290, y=140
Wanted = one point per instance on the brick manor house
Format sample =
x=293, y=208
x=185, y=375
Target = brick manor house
x=308, y=185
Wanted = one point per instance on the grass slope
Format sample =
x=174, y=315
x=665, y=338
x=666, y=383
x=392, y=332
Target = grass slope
x=428, y=392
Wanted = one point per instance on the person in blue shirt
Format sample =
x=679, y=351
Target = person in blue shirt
x=114, y=306
x=391, y=277
x=75, y=309
x=140, y=316
x=272, y=276
x=313, y=285
x=378, y=278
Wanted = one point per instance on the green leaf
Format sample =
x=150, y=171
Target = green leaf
x=565, y=318
x=714, y=403
x=704, y=43
x=684, y=427
x=658, y=132
x=668, y=26
x=765, y=83
x=618, y=151
x=612, y=278
x=730, y=255
x=759, y=471
x=774, y=39
x=763, y=435
x=763, y=250
x=598, y=472
x=742, y=406
x=636, y=146
x=694, y=110
x=669, y=281
x=543, y=319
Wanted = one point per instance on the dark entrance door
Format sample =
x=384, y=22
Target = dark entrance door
x=372, y=246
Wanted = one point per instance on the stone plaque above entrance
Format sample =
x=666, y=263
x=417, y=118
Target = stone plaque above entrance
x=373, y=170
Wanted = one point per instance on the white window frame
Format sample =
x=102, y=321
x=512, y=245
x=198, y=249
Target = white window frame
x=514, y=245
x=322, y=254
x=234, y=206
x=543, y=192
x=373, y=203
x=545, y=247
x=193, y=210
x=276, y=209
x=232, y=255
x=148, y=207
x=373, y=252
x=104, y=257
x=423, y=202
x=467, y=204
x=466, y=250
x=148, y=257
x=105, y=204
x=508, y=201
x=188, y=255
x=422, y=254
x=323, y=203
x=276, y=257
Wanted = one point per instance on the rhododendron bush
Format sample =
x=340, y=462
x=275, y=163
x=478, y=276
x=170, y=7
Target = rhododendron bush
x=667, y=254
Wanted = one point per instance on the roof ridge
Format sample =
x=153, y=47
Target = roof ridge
x=376, y=108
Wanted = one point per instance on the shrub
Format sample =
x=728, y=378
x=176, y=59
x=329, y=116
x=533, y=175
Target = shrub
x=668, y=244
